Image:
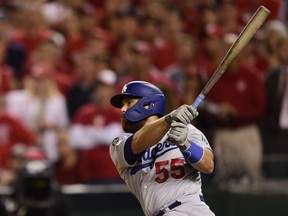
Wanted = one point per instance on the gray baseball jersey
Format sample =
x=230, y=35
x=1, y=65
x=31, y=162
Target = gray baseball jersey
x=160, y=175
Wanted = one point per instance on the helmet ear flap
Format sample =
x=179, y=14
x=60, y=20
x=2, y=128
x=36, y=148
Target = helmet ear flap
x=145, y=107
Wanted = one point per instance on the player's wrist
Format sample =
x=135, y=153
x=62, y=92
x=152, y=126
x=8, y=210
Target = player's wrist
x=184, y=145
x=192, y=152
x=168, y=119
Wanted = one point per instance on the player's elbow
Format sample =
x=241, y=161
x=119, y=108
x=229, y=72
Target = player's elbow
x=207, y=162
x=208, y=168
x=137, y=145
x=206, y=165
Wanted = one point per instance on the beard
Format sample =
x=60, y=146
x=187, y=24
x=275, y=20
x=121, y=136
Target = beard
x=132, y=127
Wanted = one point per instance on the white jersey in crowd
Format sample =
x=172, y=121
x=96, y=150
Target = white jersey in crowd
x=161, y=175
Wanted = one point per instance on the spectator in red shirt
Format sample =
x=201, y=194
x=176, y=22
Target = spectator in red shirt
x=7, y=81
x=12, y=131
x=67, y=168
x=88, y=132
x=233, y=110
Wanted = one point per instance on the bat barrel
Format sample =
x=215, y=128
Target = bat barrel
x=242, y=40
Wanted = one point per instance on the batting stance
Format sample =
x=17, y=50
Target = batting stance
x=163, y=175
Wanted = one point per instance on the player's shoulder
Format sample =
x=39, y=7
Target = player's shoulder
x=193, y=129
x=121, y=139
x=197, y=134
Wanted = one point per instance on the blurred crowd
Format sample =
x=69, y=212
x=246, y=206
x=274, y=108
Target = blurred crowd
x=62, y=60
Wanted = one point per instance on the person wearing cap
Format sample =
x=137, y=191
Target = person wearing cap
x=90, y=128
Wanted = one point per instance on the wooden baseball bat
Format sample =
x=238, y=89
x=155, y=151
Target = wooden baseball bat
x=242, y=40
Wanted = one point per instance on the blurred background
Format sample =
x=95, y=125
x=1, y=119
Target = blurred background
x=62, y=60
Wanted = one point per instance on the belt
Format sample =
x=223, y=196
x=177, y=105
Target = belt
x=170, y=207
x=174, y=205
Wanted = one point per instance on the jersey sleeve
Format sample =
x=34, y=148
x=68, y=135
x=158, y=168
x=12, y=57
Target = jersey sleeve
x=121, y=152
x=198, y=137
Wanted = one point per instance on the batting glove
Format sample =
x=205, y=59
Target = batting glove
x=178, y=134
x=185, y=114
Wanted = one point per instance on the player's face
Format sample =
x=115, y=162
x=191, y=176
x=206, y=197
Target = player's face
x=128, y=102
x=128, y=126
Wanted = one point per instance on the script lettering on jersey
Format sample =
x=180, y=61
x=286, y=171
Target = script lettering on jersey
x=150, y=155
x=158, y=150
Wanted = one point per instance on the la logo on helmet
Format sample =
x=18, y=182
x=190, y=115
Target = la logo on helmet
x=124, y=89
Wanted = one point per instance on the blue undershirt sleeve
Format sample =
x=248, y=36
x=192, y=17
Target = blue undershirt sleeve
x=128, y=154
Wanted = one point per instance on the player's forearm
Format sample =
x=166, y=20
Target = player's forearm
x=149, y=135
x=206, y=164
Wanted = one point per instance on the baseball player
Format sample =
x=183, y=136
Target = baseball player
x=159, y=156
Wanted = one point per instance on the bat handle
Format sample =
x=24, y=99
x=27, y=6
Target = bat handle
x=198, y=100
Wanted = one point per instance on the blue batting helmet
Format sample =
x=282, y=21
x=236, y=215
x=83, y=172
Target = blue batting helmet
x=150, y=96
